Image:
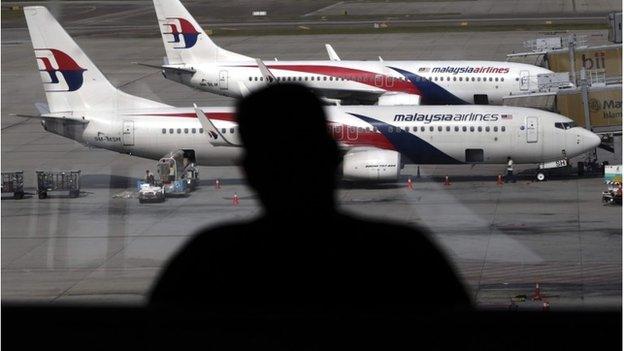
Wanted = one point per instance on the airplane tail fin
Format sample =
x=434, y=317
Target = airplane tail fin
x=71, y=81
x=185, y=41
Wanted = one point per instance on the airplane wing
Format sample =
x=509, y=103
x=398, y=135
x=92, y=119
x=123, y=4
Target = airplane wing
x=344, y=147
x=44, y=112
x=398, y=99
x=216, y=137
x=42, y=107
x=329, y=101
x=243, y=89
x=78, y=120
x=333, y=56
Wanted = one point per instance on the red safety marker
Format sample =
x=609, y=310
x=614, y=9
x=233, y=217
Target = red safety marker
x=217, y=184
x=409, y=183
x=545, y=306
x=235, y=200
x=447, y=181
x=499, y=180
x=537, y=295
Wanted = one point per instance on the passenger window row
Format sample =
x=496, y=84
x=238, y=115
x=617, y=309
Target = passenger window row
x=449, y=128
x=361, y=79
x=323, y=78
x=186, y=130
x=339, y=129
x=194, y=130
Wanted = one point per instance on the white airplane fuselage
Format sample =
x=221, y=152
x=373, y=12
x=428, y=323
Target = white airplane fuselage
x=420, y=134
x=436, y=82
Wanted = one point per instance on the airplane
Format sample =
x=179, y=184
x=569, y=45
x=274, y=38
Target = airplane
x=376, y=140
x=193, y=59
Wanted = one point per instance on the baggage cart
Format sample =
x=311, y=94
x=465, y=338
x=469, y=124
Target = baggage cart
x=13, y=184
x=58, y=182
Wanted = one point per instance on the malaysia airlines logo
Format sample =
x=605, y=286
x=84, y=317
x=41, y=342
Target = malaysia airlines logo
x=56, y=61
x=183, y=29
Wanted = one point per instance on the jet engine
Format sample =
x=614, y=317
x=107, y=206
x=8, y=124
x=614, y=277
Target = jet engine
x=371, y=165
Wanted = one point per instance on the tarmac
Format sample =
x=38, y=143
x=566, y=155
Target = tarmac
x=106, y=18
x=104, y=247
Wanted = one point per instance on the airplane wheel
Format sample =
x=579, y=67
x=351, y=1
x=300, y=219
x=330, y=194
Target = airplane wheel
x=540, y=176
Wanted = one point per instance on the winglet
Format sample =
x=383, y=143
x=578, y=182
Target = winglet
x=216, y=138
x=333, y=56
x=264, y=70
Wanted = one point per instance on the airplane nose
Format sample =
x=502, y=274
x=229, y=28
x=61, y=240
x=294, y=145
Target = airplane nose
x=591, y=140
x=581, y=141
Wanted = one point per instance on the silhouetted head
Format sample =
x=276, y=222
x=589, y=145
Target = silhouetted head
x=290, y=158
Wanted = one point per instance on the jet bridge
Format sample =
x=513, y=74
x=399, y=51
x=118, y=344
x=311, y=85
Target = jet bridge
x=585, y=86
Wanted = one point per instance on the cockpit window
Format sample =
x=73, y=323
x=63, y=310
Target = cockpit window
x=565, y=125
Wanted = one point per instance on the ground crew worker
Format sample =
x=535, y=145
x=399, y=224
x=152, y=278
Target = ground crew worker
x=149, y=177
x=172, y=172
x=510, y=176
x=217, y=184
x=409, y=183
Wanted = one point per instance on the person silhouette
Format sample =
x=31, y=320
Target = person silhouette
x=304, y=255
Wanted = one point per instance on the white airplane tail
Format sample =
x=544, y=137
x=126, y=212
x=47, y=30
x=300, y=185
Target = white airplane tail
x=71, y=81
x=185, y=41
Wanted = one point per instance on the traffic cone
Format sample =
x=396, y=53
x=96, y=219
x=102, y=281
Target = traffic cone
x=447, y=181
x=235, y=200
x=409, y=183
x=537, y=296
x=499, y=180
x=217, y=184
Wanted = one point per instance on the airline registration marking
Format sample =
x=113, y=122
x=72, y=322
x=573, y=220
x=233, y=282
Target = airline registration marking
x=107, y=139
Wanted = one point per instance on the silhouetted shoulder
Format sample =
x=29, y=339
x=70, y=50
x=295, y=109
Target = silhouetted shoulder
x=337, y=260
x=184, y=273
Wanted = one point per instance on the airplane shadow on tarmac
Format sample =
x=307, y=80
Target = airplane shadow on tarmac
x=527, y=175
x=107, y=181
